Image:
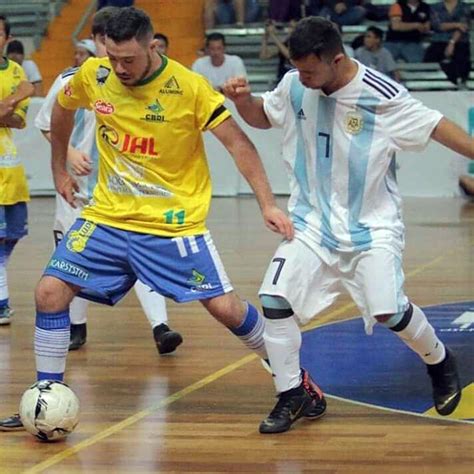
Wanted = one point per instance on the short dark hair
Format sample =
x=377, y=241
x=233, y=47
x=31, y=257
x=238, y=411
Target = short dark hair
x=127, y=23
x=100, y=20
x=16, y=47
x=315, y=35
x=215, y=37
x=378, y=32
x=163, y=37
x=6, y=24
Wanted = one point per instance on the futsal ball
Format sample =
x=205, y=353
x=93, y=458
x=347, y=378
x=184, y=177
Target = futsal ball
x=49, y=410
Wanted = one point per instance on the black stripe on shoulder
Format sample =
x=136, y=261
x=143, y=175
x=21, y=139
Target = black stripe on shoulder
x=69, y=72
x=377, y=88
x=381, y=80
x=219, y=111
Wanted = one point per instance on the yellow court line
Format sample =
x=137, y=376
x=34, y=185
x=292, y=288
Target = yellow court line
x=57, y=458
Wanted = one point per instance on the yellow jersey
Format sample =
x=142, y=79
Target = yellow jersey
x=13, y=184
x=153, y=174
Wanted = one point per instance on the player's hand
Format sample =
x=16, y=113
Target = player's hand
x=237, y=89
x=80, y=163
x=66, y=186
x=6, y=108
x=277, y=221
x=449, y=50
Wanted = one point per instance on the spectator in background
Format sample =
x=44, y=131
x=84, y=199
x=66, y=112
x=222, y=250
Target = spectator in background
x=343, y=12
x=217, y=66
x=280, y=48
x=409, y=21
x=374, y=55
x=84, y=50
x=281, y=11
x=163, y=43
x=229, y=12
x=114, y=3
x=16, y=52
x=450, y=41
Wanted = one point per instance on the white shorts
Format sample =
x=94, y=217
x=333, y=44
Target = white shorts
x=64, y=217
x=311, y=279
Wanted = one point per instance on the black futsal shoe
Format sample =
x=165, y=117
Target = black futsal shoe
x=319, y=406
x=292, y=405
x=446, y=384
x=12, y=423
x=166, y=339
x=78, y=336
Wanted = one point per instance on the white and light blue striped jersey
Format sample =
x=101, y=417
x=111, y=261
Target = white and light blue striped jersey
x=339, y=150
x=83, y=133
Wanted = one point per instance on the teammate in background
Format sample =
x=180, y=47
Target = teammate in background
x=342, y=124
x=162, y=44
x=147, y=216
x=82, y=160
x=14, y=93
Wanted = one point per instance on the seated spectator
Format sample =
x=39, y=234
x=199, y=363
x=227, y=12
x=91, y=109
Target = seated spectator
x=16, y=52
x=343, y=12
x=229, y=12
x=280, y=48
x=84, y=50
x=217, y=66
x=281, y=11
x=114, y=3
x=409, y=20
x=450, y=41
x=374, y=55
x=163, y=43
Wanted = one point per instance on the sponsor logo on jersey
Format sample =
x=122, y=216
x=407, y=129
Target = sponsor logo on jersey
x=300, y=115
x=144, y=146
x=68, y=90
x=353, y=122
x=171, y=87
x=155, y=116
x=103, y=107
x=77, y=239
x=101, y=75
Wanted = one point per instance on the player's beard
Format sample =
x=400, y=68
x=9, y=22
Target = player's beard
x=145, y=72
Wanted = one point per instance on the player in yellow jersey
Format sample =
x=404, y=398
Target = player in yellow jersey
x=14, y=93
x=147, y=216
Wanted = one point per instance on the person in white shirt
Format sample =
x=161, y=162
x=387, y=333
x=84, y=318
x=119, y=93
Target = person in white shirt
x=217, y=66
x=342, y=125
x=16, y=52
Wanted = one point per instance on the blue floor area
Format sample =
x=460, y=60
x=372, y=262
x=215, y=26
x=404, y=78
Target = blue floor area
x=379, y=369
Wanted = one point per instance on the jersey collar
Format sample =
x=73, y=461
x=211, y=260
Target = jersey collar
x=4, y=65
x=164, y=63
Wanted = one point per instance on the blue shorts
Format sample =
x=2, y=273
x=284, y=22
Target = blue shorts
x=105, y=262
x=13, y=221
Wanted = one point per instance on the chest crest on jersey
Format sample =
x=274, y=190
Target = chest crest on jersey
x=353, y=122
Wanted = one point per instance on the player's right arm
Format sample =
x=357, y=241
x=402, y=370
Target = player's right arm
x=249, y=107
x=71, y=97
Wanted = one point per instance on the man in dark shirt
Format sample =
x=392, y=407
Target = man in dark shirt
x=409, y=20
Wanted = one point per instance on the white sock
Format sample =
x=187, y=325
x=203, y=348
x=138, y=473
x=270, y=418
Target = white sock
x=283, y=341
x=78, y=310
x=3, y=282
x=153, y=304
x=419, y=335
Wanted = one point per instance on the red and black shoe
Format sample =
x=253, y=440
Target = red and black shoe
x=319, y=405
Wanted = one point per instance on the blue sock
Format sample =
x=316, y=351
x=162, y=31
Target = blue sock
x=52, y=333
x=250, y=332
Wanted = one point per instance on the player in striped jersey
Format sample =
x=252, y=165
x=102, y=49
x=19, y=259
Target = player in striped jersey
x=342, y=125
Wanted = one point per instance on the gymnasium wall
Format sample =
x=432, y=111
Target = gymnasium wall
x=431, y=173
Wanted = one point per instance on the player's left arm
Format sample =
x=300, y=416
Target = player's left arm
x=251, y=167
x=8, y=117
x=454, y=137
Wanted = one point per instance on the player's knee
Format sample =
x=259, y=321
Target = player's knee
x=53, y=295
x=275, y=307
x=398, y=321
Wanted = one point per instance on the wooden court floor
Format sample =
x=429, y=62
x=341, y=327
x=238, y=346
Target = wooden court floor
x=199, y=410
